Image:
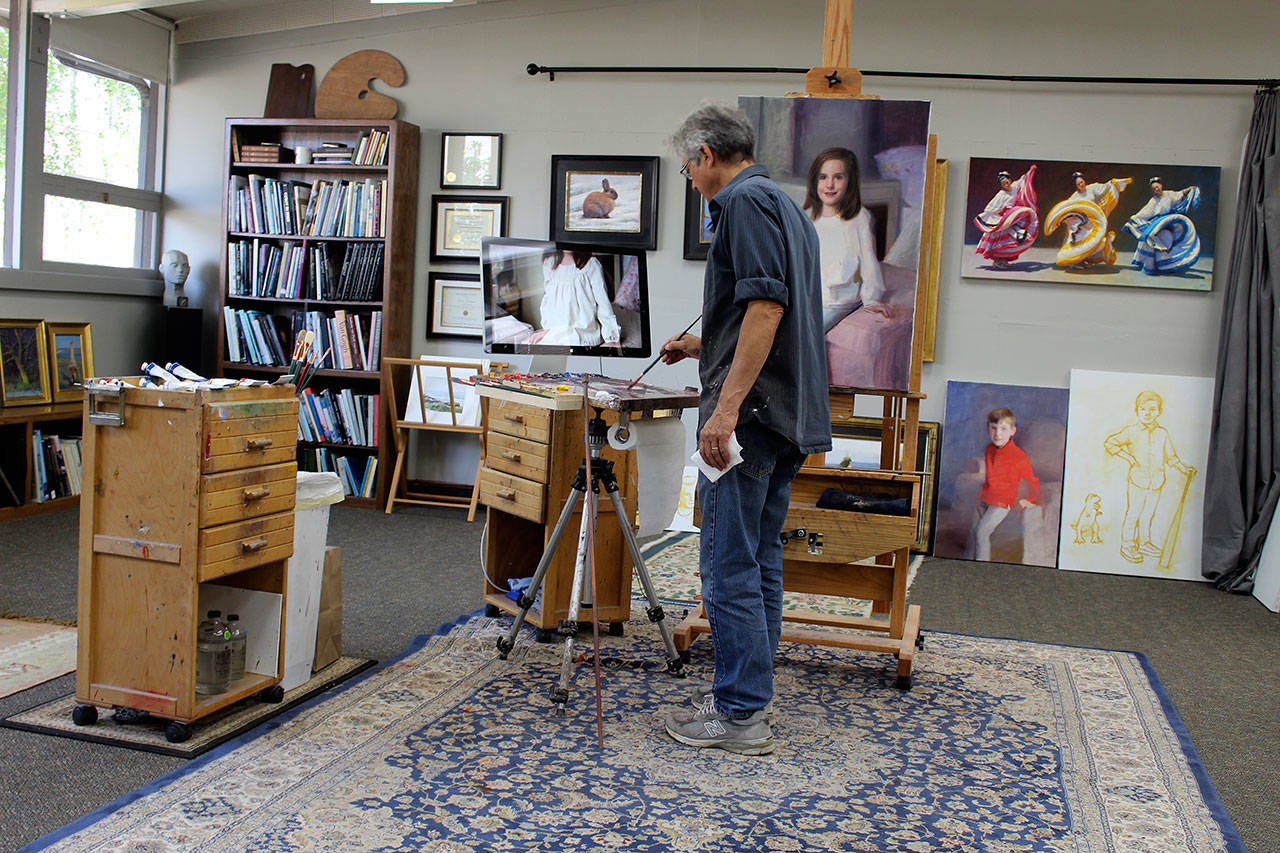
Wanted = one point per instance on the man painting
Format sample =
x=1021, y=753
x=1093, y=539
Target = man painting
x=762, y=365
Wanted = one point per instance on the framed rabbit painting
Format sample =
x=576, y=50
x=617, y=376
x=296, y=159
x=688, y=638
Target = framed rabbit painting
x=608, y=201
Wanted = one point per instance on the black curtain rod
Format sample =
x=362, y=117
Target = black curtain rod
x=534, y=69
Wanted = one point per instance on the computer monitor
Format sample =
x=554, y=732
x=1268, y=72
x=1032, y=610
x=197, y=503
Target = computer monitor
x=547, y=298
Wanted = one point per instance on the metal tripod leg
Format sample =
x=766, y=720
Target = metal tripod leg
x=675, y=664
x=507, y=643
x=569, y=627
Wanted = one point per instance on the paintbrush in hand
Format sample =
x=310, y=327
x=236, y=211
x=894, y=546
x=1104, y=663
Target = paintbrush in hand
x=654, y=363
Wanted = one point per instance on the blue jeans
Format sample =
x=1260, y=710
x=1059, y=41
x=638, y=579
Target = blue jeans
x=741, y=566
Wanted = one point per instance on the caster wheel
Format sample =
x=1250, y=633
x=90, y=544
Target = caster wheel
x=615, y=629
x=492, y=611
x=920, y=641
x=547, y=635
x=177, y=732
x=903, y=682
x=84, y=715
x=273, y=694
x=686, y=657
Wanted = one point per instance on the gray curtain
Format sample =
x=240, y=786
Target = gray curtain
x=1242, y=483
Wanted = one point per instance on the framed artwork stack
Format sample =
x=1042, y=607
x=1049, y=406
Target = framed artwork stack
x=468, y=161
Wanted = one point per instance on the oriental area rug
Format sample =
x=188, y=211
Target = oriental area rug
x=1000, y=745
x=34, y=652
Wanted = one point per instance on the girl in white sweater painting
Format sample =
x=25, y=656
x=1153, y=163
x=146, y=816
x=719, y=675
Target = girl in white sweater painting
x=850, y=271
x=576, y=310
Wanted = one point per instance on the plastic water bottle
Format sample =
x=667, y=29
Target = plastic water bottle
x=239, y=640
x=213, y=654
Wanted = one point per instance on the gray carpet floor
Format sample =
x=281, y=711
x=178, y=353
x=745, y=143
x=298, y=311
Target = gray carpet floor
x=405, y=574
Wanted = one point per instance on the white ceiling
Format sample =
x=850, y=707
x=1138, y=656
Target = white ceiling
x=203, y=20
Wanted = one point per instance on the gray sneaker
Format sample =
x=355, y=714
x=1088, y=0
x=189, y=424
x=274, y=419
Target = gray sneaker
x=708, y=727
x=703, y=697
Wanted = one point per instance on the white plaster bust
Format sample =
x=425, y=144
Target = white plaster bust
x=175, y=267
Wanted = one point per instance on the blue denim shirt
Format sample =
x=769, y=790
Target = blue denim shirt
x=765, y=247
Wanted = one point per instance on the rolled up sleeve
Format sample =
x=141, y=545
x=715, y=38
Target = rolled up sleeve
x=760, y=256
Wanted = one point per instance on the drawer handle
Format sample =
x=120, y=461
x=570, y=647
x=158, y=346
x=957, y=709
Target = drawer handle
x=258, y=444
x=251, y=495
x=512, y=455
x=507, y=494
x=250, y=546
x=515, y=419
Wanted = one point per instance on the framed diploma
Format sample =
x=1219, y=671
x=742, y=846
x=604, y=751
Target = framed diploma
x=471, y=161
x=456, y=306
x=459, y=223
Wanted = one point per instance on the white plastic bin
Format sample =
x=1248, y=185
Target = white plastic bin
x=316, y=493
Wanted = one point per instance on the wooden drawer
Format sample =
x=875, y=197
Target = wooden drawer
x=519, y=456
x=238, y=495
x=520, y=420
x=230, y=548
x=515, y=495
x=846, y=535
x=230, y=445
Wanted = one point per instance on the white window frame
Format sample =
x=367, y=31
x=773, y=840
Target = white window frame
x=29, y=185
x=144, y=199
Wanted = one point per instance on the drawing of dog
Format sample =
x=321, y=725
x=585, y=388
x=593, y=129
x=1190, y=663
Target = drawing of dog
x=1088, y=523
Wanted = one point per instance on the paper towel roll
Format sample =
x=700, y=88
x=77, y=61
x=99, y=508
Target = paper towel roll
x=622, y=444
x=659, y=446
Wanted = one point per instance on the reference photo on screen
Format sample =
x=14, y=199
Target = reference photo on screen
x=551, y=298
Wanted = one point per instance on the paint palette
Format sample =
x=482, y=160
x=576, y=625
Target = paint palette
x=566, y=390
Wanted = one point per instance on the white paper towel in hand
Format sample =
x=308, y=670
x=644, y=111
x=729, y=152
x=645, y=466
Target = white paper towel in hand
x=712, y=473
x=659, y=446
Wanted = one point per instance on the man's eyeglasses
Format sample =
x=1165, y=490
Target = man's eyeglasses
x=684, y=169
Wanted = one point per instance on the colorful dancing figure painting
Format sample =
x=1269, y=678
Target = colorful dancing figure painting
x=1083, y=215
x=1168, y=242
x=1097, y=226
x=1136, y=444
x=1009, y=222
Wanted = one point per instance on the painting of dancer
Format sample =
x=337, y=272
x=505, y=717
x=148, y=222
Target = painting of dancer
x=1095, y=226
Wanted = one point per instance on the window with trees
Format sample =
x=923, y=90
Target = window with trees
x=100, y=204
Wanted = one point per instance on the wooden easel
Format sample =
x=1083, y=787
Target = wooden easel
x=851, y=554
x=399, y=491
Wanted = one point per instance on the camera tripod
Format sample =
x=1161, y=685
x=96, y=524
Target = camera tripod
x=601, y=476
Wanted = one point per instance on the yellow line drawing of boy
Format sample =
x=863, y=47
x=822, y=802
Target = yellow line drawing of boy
x=1148, y=449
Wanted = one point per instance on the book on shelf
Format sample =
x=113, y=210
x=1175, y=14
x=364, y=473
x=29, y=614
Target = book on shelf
x=338, y=417
x=358, y=474
x=323, y=208
x=56, y=466
x=288, y=269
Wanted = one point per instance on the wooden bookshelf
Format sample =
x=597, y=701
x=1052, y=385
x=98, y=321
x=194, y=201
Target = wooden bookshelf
x=393, y=295
x=17, y=424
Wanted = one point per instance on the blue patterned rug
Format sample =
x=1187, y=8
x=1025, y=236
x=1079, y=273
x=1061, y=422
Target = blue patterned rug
x=1001, y=745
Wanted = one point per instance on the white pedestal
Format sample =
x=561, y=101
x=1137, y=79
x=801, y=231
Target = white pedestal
x=1266, y=584
x=316, y=493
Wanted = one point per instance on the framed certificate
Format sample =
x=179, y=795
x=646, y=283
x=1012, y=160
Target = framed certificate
x=456, y=306
x=471, y=161
x=459, y=223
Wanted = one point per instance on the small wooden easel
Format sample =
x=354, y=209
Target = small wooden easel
x=855, y=554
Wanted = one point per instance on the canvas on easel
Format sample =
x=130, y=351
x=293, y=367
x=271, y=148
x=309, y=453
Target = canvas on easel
x=859, y=168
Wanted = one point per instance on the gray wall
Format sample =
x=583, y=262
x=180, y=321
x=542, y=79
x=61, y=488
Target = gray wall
x=466, y=72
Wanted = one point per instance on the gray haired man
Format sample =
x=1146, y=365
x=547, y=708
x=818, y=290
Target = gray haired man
x=763, y=367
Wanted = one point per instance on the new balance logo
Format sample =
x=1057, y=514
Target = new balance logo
x=713, y=728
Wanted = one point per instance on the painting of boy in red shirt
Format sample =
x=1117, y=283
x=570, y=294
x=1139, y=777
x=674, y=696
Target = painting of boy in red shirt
x=1005, y=466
